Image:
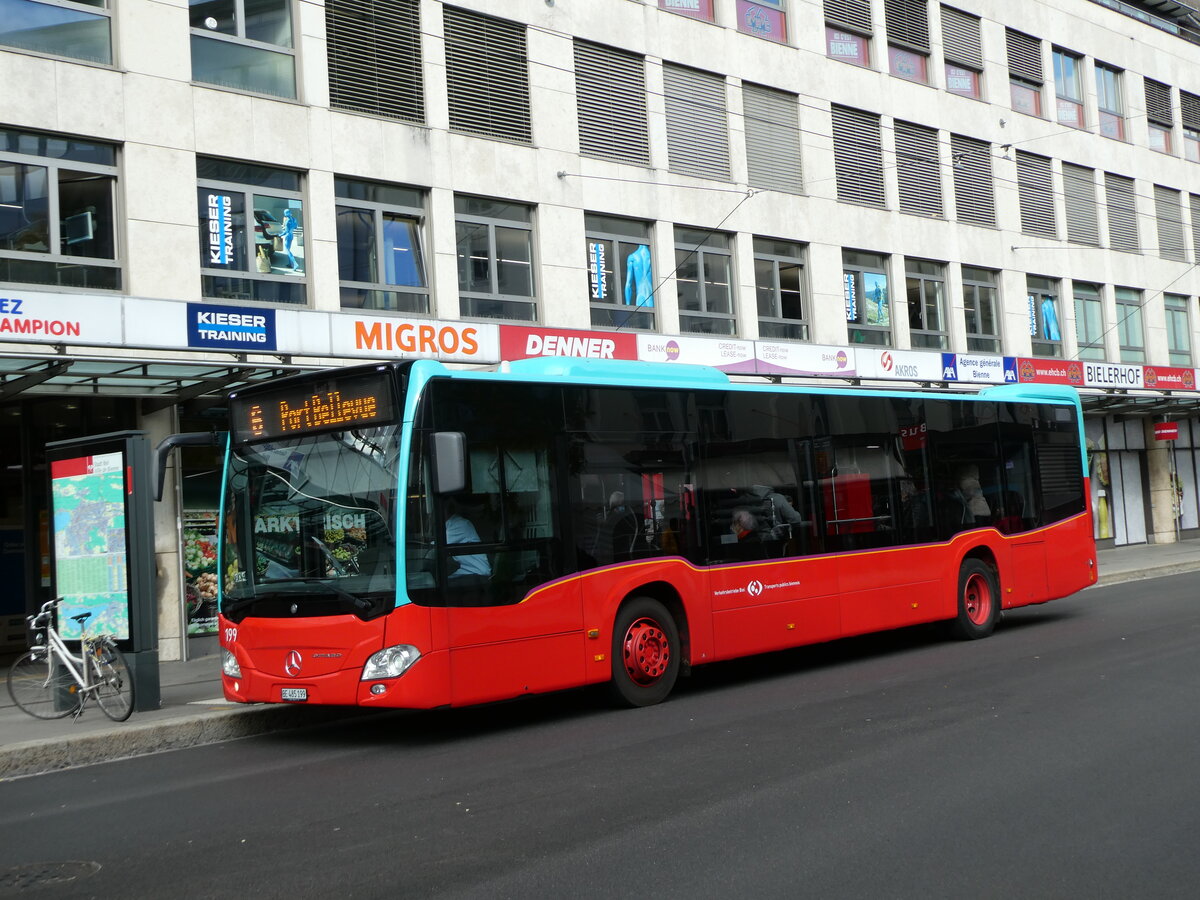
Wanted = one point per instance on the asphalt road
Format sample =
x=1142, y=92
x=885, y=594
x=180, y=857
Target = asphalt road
x=1055, y=759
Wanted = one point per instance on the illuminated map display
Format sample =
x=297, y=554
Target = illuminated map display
x=90, y=567
x=325, y=404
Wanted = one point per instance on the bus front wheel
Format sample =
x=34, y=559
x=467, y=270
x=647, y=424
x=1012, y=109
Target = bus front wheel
x=645, y=653
x=978, y=600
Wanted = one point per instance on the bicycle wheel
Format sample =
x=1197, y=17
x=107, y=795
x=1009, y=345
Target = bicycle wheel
x=114, y=683
x=41, y=687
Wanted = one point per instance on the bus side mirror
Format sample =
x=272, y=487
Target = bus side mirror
x=449, y=462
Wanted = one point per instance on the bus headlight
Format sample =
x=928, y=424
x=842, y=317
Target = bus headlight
x=391, y=662
x=229, y=663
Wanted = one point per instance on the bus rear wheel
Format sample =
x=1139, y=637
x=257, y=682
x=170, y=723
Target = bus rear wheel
x=978, y=600
x=645, y=653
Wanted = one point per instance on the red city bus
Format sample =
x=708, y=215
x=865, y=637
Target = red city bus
x=407, y=535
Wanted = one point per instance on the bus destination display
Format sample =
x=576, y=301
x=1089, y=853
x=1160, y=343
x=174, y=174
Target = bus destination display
x=324, y=405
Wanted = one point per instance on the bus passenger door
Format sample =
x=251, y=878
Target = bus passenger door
x=514, y=625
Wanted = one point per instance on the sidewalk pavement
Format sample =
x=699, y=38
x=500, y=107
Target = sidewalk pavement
x=193, y=712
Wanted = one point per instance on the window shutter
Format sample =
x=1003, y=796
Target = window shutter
x=918, y=169
x=907, y=23
x=487, y=76
x=1122, y=213
x=961, y=37
x=974, y=200
x=858, y=156
x=1036, y=192
x=1189, y=108
x=852, y=14
x=375, y=57
x=610, y=94
x=1024, y=56
x=1079, y=188
x=697, y=131
x=1170, y=223
x=1194, y=202
x=1158, y=103
x=772, y=120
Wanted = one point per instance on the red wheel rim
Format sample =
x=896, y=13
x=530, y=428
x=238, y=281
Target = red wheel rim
x=977, y=599
x=647, y=652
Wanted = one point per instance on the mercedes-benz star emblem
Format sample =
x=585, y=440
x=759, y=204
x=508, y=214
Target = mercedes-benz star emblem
x=291, y=663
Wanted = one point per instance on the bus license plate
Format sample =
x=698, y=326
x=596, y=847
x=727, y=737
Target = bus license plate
x=295, y=693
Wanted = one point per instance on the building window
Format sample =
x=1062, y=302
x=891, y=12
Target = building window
x=1109, y=102
x=58, y=211
x=1067, y=88
x=1160, y=115
x=610, y=96
x=1044, y=330
x=772, y=124
x=1169, y=214
x=907, y=24
x=495, y=259
x=244, y=44
x=1025, y=72
x=868, y=300
x=381, y=260
x=1035, y=190
x=704, y=281
x=487, y=75
x=80, y=30
x=858, y=156
x=848, y=31
x=974, y=198
x=375, y=57
x=1179, y=330
x=779, y=285
x=1122, y=213
x=251, y=232
x=620, y=272
x=697, y=9
x=1129, y=325
x=1079, y=190
x=963, y=49
x=918, y=169
x=981, y=310
x=1189, y=112
x=697, y=126
x=1089, y=321
x=925, y=284
x=766, y=19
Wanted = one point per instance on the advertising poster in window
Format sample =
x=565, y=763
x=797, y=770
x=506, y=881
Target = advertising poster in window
x=278, y=235
x=697, y=9
x=200, y=570
x=876, y=309
x=222, y=230
x=87, y=497
x=763, y=19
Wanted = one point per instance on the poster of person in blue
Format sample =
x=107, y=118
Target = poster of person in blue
x=639, y=291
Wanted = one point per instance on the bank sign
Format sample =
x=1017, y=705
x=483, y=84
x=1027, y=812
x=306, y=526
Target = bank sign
x=213, y=327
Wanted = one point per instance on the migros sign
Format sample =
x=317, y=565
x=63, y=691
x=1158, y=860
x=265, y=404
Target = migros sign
x=403, y=338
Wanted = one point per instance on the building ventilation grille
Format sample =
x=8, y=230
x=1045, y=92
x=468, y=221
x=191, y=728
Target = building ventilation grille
x=772, y=121
x=858, y=156
x=375, y=57
x=610, y=91
x=487, y=76
x=697, y=124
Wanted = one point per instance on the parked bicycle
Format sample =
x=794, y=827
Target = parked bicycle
x=50, y=682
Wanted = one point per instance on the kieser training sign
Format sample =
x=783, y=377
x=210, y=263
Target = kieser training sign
x=230, y=327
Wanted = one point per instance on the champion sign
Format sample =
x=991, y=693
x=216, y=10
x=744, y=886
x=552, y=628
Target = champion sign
x=230, y=327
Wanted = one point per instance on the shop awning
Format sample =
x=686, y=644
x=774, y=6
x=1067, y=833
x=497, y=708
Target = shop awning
x=168, y=381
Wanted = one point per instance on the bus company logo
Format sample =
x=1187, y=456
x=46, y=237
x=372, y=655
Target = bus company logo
x=292, y=663
x=754, y=588
x=672, y=351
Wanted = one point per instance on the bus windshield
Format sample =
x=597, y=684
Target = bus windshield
x=310, y=525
